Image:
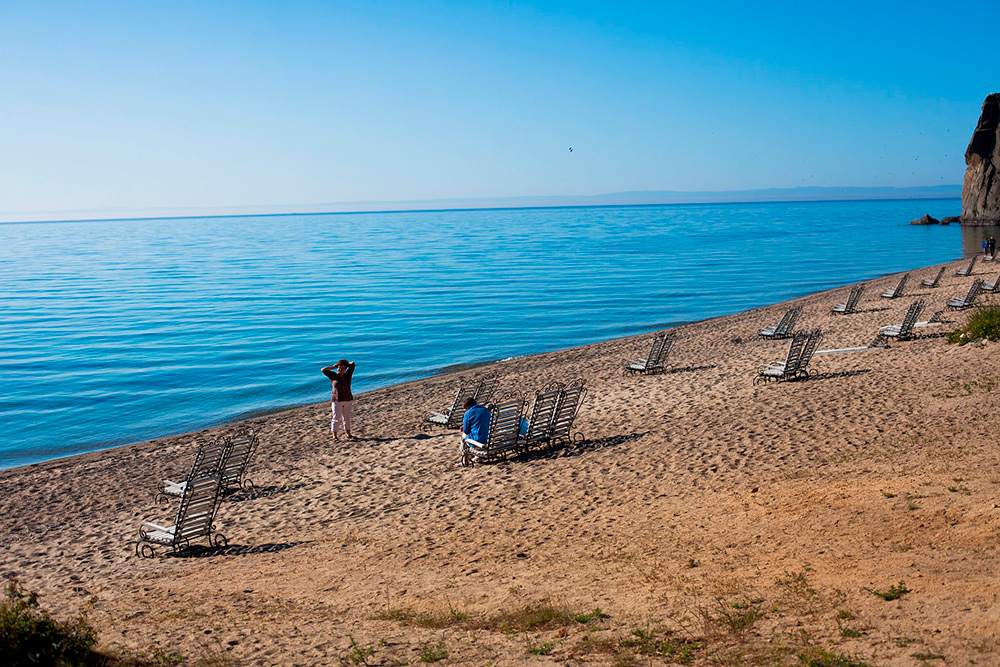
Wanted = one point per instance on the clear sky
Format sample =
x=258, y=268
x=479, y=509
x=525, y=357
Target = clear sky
x=137, y=104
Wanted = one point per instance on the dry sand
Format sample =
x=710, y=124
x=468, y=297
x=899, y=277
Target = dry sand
x=754, y=520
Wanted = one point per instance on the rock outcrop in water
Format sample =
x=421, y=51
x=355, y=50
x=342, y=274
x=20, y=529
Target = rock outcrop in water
x=926, y=220
x=981, y=188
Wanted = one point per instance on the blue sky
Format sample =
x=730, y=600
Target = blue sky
x=133, y=106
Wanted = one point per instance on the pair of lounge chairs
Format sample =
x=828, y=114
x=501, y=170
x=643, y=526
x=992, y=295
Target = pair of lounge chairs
x=218, y=466
x=801, y=349
x=961, y=303
x=229, y=455
x=653, y=362
x=903, y=330
x=852, y=301
x=549, y=422
x=897, y=291
x=482, y=392
x=782, y=329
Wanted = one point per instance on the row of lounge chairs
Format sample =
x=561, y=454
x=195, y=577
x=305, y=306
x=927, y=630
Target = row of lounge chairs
x=218, y=466
x=897, y=291
x=514, y=430
x=548, y=423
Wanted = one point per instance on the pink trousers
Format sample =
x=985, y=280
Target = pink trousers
x=341, y=413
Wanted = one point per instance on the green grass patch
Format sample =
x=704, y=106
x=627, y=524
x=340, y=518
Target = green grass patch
x=894, y=592
x=542, y=649
x=596, y=615
x=435, y=653
x=29, y=635
x=662, y=645
x=542, y=615
x=818, y=657
x=983, y=323
x=435, y=620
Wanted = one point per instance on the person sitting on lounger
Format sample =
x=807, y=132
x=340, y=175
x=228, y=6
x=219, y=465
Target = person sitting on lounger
x=475, y=429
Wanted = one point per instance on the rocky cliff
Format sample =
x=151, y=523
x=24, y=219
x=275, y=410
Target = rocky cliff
x=981, y=187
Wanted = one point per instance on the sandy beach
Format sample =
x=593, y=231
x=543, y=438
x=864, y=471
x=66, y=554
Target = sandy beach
x=709, y=520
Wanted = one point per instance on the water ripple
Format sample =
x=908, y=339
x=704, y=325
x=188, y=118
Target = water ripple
x=112, y=332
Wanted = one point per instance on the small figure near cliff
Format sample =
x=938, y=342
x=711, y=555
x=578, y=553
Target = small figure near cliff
x=991, y=247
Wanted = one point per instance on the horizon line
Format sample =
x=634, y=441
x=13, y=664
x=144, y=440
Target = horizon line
x=496, y=204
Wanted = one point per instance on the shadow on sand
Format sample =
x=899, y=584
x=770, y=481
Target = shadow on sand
x=199, y=551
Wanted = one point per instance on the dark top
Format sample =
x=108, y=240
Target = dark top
x=476, y=423
x=341, y=383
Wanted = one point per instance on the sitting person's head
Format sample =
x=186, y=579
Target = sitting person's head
x=469, y=402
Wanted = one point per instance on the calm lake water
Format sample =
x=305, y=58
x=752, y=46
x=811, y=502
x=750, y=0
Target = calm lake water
x=115, y=332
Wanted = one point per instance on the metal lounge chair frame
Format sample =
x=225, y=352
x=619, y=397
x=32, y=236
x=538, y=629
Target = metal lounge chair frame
x=787, y=369
x=195, y=519
x=961, y=303
x=539, y=427
x=242, y=446
x=487, y=388
x=903, y=330
x=933, y=282
x=782, y=329
x=482, y=392
x=207, y=461
x=852, y=301
x=967, y=271
x=653, y=362
x=570, y=400
x=808, y=350
x=898, y=290
x=505, y=423
x=991, y=287
x=453, y=417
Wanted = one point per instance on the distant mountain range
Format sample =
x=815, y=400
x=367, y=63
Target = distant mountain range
x=634, y=198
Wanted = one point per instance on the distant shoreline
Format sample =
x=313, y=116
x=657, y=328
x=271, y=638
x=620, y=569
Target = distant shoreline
x=507, y=204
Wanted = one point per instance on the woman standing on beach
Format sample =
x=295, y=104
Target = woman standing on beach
x=343, y=400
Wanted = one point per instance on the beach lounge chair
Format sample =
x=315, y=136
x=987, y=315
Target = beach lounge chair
x=903, y=330
x=783, y=328
x=569, y=406
x=487, y=387
x=808, y=350
x=242, y=445
x=787, y=369
x=538, y=431
x=452, y=418
x=991, y=287
x=933, y=282
x=960, y=303
x=898, y=290
x=852, y=302
x=505, y=424
x=207, y=461
x=194, y=520
x=653, y=363
x=967, y=271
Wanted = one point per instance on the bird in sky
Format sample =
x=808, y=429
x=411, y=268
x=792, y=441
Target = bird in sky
x=570, y=149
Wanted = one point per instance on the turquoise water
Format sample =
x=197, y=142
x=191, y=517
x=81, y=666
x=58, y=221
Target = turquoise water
x=120, y=331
